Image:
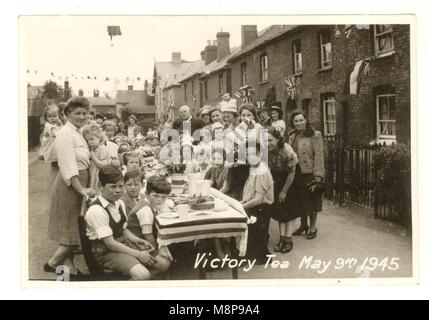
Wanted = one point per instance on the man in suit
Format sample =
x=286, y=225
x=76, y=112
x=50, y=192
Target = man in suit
x=187, y=122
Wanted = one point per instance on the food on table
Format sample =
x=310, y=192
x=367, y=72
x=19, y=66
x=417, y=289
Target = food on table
x=203, y=203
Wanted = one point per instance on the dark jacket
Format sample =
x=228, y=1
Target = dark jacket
x=196, y=124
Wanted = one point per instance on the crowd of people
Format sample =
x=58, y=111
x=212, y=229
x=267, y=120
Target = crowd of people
x=102, y=160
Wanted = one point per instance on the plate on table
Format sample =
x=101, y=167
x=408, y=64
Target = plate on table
x=169, y=215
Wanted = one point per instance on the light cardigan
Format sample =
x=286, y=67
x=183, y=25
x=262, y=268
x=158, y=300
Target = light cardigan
x=72, y=152
x=280, y=126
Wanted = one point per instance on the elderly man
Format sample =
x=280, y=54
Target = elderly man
x=186, y=119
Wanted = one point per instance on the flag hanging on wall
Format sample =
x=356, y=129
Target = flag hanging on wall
x=354, y=77
x=291, y=86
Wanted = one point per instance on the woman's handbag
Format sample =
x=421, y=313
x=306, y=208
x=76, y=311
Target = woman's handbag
x=316, y=187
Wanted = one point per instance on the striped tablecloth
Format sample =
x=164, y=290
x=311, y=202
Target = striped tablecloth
x=215, y=224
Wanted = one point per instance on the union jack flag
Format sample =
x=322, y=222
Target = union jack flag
x=291, y=86
x=226, y=97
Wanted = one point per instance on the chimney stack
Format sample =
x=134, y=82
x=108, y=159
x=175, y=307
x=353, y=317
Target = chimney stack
x=130, y=88
x=203, y=55
x=176, y=57
x=248, y=34
x=222, y=44
x=146, y=85
x=210, y=52
x=96, y=93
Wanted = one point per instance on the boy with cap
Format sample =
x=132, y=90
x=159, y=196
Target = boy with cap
x=107, y=230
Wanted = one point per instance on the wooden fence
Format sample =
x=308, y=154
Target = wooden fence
x=350, y=179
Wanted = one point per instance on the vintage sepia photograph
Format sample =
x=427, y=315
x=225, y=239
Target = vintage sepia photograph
x=197, y=149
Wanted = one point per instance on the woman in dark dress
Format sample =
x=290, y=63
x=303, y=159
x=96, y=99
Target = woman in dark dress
x=308, y=145
x=282, y=161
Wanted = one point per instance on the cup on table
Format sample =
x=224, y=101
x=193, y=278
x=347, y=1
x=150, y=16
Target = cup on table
x=183, y=211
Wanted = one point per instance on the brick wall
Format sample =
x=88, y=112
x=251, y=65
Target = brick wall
x=280, y=64
x=392, y=70
x=355, y=115
x=195, y=106
x=212, y=89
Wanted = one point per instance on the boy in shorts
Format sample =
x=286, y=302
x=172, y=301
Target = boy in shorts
x=107, y=230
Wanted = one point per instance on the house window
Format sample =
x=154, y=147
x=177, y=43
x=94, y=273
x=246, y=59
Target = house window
x=383, y=36
x=228, y=81
x=264, y=68
x=220, y=82
x=386, y=120
x=329, y=121
x=206, y=91
x=193, y=87
x=297, y=57
x=325, y=49
x=243, y=74
x=185, y=94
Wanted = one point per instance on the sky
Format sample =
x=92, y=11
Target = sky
x=80, y=46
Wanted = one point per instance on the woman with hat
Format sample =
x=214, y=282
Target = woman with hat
x=276, y=118
x=205, y=114
x=264, y=117
x=216, y=117
x=133, y=129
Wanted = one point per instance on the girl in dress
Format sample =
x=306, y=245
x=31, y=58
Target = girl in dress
x=258, y=195
x=282, y=161
x=99, y=153
x=276, y=118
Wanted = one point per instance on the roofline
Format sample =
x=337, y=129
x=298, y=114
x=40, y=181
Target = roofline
x=196, y=74
x=265, y=43
x=227, y=66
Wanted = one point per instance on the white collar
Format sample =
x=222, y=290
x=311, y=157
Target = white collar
x=105, y=203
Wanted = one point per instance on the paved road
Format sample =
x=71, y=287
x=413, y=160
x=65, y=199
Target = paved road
x=349, y=233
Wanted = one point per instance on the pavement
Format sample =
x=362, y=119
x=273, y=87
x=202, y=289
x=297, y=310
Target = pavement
x=347, y=238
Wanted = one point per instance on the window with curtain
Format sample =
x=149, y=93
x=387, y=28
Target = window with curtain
x=325, y=49
x=243, y=73
x=386, y=118
x=383, y=37
x=264, y=68
x=329, y=117
x=297, y=56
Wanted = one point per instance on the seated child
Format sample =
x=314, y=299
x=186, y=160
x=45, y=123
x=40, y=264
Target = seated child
x=109, y=128
x=141, y=223
x=99, y=152
x=133, y=184
x=123, y=147
x=107, y=230
x=132, y=161
x=258, y=195
x=217, y=172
